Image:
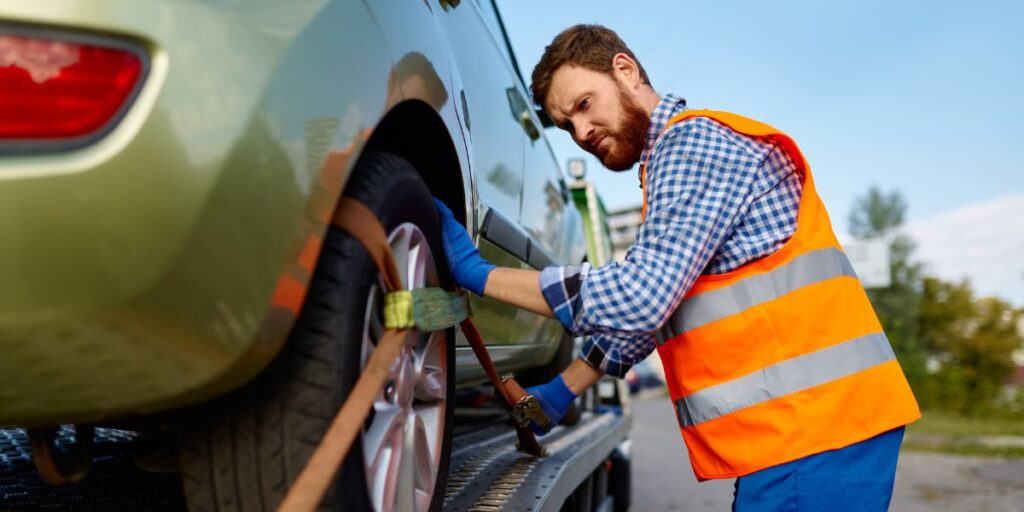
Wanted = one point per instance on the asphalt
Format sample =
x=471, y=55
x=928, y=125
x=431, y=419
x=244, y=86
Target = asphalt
x=663, y=480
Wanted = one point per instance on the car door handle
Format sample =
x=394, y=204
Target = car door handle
x=505, y=234
x=521, y=113
x=528, y=126
x=509, y=237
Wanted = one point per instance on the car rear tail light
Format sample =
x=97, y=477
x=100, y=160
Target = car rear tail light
x=54, y=89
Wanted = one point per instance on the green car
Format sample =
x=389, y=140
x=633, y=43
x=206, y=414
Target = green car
x=168, y=175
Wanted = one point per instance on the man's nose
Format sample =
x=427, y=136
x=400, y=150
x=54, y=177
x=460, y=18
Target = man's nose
x=584, y=131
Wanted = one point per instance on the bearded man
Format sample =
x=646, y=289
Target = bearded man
x=776, y=364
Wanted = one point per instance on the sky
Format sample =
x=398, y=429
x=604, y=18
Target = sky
x=925, y=98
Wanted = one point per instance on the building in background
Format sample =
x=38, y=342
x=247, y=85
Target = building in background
x=624, y=225
x=593, y=212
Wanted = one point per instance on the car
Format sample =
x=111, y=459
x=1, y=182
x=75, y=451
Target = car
x=169, y=175
x=644, y=375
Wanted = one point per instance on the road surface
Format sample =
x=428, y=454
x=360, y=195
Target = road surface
x=663, y=480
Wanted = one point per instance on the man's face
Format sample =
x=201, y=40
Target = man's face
x=600, y=114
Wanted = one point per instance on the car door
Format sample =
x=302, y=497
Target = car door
x=550, y=224
x=496, y=139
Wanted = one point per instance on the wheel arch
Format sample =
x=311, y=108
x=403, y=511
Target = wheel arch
x=411, y=129
x=414, y=131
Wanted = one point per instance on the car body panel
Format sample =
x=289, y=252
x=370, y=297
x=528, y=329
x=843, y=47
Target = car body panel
x=164, y=264
x=155, y=253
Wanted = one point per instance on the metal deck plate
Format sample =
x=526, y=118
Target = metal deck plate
x=487, y=474
x=114, y=481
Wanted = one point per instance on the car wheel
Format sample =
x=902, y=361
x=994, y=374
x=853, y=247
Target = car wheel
x=244, y=451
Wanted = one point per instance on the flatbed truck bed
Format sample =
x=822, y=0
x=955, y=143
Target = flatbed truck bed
x=487, y=473
x=586, y=469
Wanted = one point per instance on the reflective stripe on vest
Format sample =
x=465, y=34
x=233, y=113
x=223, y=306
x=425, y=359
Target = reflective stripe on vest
x=780, y=379
x=805, y=270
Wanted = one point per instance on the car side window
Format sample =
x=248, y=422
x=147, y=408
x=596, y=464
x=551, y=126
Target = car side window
x=493, y=21
x=490, y=17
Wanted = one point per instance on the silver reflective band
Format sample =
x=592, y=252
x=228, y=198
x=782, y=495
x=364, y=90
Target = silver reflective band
x=804, y=270
x=780, y=379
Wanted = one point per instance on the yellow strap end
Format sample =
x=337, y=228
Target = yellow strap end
x=398, y=311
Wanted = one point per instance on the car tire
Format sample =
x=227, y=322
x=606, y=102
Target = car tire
x=620, y=481
x=244, y=451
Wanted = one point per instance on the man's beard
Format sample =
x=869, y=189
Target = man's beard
x=630, y=138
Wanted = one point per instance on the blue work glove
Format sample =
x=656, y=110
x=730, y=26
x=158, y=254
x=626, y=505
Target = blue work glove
x=555, y=398
x=464, y=261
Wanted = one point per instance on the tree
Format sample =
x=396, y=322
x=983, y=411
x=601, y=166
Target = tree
x=987, y=357
x=880, y=215
x=971, y=341
x=877, y=214
x=946, y=310
x=966, y=342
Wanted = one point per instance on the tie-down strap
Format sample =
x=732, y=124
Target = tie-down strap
x=433, y=309
x=426, y=310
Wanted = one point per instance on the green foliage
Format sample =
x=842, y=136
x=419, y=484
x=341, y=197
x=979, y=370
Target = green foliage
x=897, y=308
x=953, y=433
x=949, y=423
x=961, y=447
x=954, y=348
x=947, y=311
x=877, y=214
x=972, y=342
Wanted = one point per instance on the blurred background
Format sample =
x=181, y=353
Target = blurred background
x=910, y=114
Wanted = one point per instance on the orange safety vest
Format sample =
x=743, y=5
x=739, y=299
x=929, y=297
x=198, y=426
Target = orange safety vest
x=782, y=357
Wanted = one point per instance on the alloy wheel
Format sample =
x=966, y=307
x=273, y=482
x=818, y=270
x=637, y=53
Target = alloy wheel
x=403, y=436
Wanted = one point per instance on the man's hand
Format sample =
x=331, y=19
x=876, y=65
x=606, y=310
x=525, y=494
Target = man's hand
x=555, y=398
x=467, y=267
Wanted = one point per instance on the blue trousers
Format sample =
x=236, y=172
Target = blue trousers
x=857, y=478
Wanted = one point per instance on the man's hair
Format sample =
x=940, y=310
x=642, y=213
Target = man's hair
x=587, y=46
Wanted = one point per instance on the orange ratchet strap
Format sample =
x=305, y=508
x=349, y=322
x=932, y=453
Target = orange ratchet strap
x=308, y=489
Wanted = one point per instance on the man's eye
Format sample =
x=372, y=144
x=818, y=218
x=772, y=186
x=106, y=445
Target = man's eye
x=585, y=103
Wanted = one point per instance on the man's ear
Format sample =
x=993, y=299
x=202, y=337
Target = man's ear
x=626, y=70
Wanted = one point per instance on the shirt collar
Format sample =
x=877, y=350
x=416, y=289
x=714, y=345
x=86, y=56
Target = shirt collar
x=669, y=106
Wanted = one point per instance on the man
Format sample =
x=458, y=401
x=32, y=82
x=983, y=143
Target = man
x=775, y=362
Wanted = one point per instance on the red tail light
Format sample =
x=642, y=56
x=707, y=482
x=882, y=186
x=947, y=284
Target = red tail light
x=53, y=89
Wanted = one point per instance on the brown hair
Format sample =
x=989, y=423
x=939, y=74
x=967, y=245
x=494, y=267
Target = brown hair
x=587, y=46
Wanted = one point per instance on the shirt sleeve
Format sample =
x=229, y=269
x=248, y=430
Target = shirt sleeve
x=700, y=183
x=561, y=289
x=614, y=355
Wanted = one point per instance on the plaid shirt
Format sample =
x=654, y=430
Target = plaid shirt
x=716, y=199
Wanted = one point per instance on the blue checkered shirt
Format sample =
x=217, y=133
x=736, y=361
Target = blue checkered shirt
x=716, y=199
